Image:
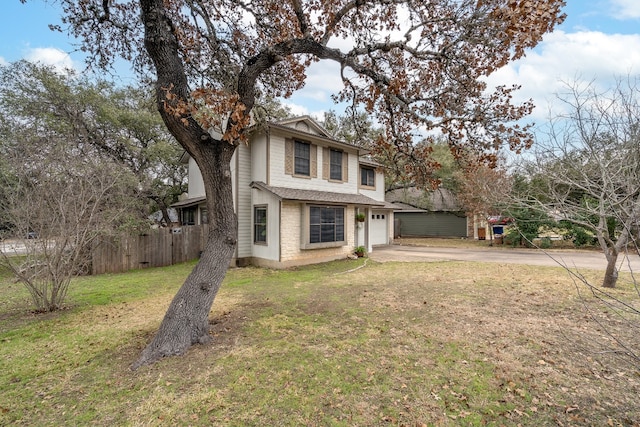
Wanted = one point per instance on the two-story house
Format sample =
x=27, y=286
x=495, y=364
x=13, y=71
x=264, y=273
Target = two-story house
x=297, y=194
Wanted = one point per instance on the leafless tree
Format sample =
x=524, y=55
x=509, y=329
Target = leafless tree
x=587, y=167
x=584, y=170
x=58, y=202
x=484, y=192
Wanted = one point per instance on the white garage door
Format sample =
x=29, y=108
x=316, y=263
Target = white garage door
x=378, y=227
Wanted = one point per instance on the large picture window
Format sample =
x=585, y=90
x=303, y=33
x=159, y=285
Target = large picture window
x=260, y=224
x=367, y=177
x=302, y=158
x=326, y=224
x=335, y=165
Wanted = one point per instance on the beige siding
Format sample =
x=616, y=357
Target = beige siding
x=243, y=200
x=278, y=176
x=379, y=186
x=378, y=192
x=196, y=183
x=259, y=158
x=277, y=173
x=271, y=250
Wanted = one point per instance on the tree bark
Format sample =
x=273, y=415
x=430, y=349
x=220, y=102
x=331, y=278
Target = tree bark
x=186, y=322
x=611, y=273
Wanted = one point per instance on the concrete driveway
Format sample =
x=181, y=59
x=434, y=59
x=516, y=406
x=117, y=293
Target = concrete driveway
x=565, y=258
x=13, y=247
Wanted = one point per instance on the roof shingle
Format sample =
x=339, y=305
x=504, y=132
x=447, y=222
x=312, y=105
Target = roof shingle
x=285, y=193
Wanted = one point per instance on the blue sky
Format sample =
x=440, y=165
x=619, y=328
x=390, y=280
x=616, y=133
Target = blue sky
x=599, y=40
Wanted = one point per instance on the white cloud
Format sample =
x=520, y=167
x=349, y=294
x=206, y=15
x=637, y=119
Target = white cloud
x=50, y=56
x=323, y=79
x=296, y=109
x=3, y=61
x=570, y=57
x=301, y=110
x=563, y=57
x=626, y=9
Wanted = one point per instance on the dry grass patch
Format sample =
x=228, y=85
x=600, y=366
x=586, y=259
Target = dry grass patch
x=389, y=344
x=552, y=358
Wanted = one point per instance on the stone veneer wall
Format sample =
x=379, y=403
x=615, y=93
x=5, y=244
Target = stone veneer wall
x=292, y=255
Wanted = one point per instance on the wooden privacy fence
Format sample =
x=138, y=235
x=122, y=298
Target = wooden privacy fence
x=155, y=248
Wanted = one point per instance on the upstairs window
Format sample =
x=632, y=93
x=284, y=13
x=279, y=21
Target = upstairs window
x=335, y=165
x=302, y=158
x=367, y=177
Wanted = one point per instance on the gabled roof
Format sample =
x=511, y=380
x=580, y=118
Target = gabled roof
x=304, y=124
x=311, y=130
x=284, y=193
x=306, y=128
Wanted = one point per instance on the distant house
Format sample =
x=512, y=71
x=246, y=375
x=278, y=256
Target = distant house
x=420, y=213
x=297, y=192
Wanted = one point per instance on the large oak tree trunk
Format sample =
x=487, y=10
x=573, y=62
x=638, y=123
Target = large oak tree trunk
x=186, y=322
